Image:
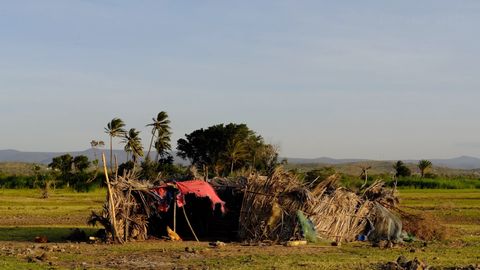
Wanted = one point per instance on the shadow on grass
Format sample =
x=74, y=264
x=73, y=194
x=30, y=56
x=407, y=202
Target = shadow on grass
x=28, y=234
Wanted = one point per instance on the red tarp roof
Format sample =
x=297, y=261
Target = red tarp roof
x=198, y=187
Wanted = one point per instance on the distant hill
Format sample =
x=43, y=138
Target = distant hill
x=46, y=157
x=463, y=162
x=322, y=160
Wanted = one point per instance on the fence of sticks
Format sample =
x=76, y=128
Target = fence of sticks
x=270, y=205
x=127, y=209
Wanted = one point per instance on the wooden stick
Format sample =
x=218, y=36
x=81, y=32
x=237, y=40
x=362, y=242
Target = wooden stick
x=175, y=214
x=113, y=221
x=127, y=217
x=189, y=225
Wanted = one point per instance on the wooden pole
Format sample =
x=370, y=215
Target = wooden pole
x=113, y=221
x=189, y=225
x=175, y=214
x=128, y=215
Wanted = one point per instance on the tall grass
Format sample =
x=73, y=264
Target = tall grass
x=437, y=183
x=416, y=182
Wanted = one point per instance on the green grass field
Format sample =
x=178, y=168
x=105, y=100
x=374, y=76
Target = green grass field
x=24, y=215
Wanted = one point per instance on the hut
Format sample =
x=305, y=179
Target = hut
x=273, y=208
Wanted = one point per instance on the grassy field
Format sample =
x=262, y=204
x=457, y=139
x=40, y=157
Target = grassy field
x=24, y=215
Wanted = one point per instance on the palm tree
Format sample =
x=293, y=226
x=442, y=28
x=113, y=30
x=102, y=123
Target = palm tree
x=236, y=151
x=133, y=144
x=161, y=130
x=95, y=144
x=162, y=144
x=424, y=165
x=401, y=170
x=114, y=129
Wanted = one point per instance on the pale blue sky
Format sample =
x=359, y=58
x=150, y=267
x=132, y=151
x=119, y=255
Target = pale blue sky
x=364, y=79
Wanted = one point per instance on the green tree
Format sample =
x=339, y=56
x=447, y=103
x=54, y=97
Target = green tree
x=114, y=129
x=161, y=131
x=81, y=163
x=225, y=146
x=63, y=164
x=133, y=144
x=401, y=170
x=423, y=166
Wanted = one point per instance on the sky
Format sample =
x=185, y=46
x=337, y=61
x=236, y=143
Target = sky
x=343, y=79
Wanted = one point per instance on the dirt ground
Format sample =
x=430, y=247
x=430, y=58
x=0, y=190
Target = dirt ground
x=155, y=254
x=22, y=219
x=160, y=254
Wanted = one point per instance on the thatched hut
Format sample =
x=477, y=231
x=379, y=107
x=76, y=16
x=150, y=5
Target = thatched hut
x=257, y=208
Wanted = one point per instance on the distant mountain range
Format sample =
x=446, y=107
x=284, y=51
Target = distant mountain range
x=46, y=157
x=463, y=162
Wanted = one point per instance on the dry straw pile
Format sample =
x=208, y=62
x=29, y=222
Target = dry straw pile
x=270, y=204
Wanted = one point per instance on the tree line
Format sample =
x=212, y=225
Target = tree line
x=218, y=150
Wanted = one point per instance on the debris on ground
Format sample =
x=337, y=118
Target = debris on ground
x=173, y=236
x=217, y=244
x=41, y=239
x=295, y=243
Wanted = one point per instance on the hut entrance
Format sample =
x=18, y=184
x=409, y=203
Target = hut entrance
x=195, y=205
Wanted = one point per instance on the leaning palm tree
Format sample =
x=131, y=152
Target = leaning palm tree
x=161, y=130
x=133, y=144
x=114, y=129
x=424, y=165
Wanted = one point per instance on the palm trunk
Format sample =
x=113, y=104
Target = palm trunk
x=111, y=153
x=151, y=143
x=231, y=168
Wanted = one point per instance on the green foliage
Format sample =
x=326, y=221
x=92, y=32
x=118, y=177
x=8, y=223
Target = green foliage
x=438, y=183
x=62, y=163
x=124, y=167
x=133, y=144
x=424, y=165
x=160, y=131
x=17, y=181
x=224, y=148
x=79, y=180
x=401, y=170
x=81, y=163
x=149, y=169
x=115, y=128
x=164, y=168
